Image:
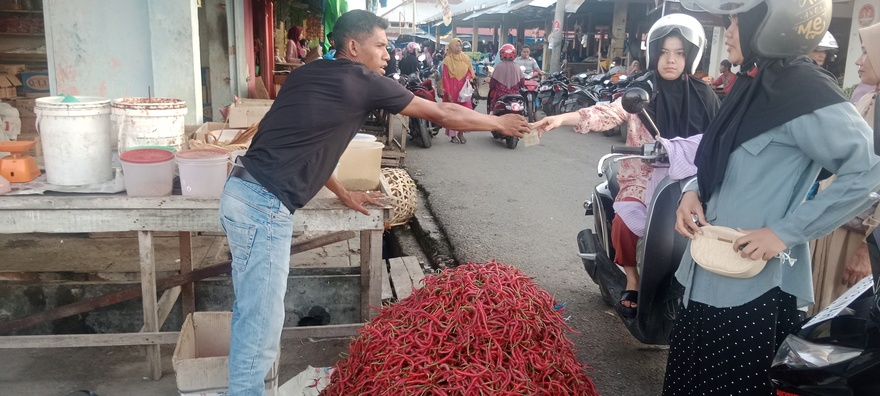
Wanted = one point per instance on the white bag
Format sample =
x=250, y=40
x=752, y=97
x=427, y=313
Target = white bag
x=467, y=91
x=713, y=250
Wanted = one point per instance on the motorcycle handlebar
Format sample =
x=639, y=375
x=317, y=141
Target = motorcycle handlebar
x=627, y=150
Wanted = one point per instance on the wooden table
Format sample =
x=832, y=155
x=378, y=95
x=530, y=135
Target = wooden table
x=117, y=212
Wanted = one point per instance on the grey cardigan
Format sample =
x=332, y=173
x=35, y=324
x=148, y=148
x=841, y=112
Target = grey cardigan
x=766, y=181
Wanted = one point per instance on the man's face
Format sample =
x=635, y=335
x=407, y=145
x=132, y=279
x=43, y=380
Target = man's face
x=819, y=56
x=525, y=53
x=371, y=51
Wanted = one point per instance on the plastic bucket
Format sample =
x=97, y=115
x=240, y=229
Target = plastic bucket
x=364, y=137
x=202, y=172
x=359, y=166
x=148, y=122
x=76, y=139
x=149, y=172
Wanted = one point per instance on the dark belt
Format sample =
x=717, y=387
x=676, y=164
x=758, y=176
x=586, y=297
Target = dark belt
x=240, y=172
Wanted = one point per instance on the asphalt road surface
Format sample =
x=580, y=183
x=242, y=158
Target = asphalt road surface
x=525, y=207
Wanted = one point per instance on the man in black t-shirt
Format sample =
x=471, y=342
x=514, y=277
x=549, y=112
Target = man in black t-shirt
x=299, y=142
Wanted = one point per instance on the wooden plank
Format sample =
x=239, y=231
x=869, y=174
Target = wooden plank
x=400, y=278
x=91, y=304
x=166, y=304
x=328, y=331
x=188, y=302
x=387, y=292
x=129, y=234
x=148, y=294
x=87, y=340
x=415, y=271
x=371, y=275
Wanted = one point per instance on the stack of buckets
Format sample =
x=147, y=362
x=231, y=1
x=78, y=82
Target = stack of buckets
x=78, y=138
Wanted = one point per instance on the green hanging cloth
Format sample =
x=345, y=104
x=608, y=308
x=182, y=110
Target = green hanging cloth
x=332, y=10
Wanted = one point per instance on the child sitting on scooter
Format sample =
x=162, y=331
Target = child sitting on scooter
x=681, y=105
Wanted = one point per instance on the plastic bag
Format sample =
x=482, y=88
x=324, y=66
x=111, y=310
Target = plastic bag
x=467, y=91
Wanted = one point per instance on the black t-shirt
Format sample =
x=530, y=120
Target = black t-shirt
x=318, y=111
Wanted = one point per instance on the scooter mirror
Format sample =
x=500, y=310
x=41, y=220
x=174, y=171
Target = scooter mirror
x=634, y=100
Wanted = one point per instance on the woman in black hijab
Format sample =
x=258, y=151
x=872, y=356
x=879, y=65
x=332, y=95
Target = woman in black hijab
x=784, y=120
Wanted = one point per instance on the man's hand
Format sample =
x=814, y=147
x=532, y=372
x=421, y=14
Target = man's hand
x=356, y=199
x=858, y=266
x=760, y=244
x=513, y=125
x=689, y=207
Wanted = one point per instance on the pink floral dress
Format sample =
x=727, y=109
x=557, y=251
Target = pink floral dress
x=634, y=174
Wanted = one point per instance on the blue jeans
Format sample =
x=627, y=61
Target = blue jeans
x=259, y=229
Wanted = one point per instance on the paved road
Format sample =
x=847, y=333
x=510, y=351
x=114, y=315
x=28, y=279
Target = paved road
x=524, y=207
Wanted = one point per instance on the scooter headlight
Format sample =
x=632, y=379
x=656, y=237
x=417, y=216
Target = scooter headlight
x=796, y=352
x=515, y=107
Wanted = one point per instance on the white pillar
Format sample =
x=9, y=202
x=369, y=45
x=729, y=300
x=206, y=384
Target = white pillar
x=862, y=17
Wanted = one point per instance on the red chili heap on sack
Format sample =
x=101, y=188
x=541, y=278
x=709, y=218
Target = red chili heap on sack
x=479, y=329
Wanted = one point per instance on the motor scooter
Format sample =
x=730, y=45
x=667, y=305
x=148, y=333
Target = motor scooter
x=508, y=104
x=529, y=92
x=659, y=252
x=837, y=351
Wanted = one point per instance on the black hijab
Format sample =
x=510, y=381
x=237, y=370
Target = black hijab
x=682, y=107
x=768, y=93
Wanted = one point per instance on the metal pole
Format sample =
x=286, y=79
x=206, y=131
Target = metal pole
x=556, y=36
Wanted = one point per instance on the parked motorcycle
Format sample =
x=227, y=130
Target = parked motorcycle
x=508, y=104
x=421, y=131
x=659, y=251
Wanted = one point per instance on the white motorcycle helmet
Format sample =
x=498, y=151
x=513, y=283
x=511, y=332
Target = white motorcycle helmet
x=790, y=27
x=828, y=43
x=688, y=27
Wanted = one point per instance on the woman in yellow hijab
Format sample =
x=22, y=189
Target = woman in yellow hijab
x=457, y=70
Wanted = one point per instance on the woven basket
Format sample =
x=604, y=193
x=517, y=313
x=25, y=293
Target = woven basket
x=405, y=194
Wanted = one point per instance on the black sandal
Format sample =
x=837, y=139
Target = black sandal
x=631, y=296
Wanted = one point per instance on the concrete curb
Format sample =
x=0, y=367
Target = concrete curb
x=429, y=233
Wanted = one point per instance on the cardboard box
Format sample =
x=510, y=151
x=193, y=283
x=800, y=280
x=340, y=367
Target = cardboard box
x=8, y=86
x=201, y=357
x=213, y=132
x=25, y=106
x=35, y=83
x=12, y=69
x=248, y=112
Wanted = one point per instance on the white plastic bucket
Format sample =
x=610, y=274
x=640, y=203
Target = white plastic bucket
x=76, y=139
x=202, y=172
x=148, y=122
x=360, y=164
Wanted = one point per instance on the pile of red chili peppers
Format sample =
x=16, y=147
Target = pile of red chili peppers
x=478, y=329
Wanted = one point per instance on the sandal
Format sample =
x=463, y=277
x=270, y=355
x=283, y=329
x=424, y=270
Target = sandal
x=461, y=138
x=455, y=139
x=631, y=296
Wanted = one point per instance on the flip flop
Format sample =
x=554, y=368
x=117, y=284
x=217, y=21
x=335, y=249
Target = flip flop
x=631, y=296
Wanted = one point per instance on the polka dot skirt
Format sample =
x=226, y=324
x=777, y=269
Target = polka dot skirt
x=728, y=351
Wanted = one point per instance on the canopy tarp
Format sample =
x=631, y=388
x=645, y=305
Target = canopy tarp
x=332, y=10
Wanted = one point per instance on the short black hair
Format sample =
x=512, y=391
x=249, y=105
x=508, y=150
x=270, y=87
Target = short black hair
x=356, y=25
x=725, y=63
x=617, y=60
x=525, y=47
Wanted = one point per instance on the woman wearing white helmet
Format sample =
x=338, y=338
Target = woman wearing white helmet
x=757, y=161
x=681, y=106
x=825, y=51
